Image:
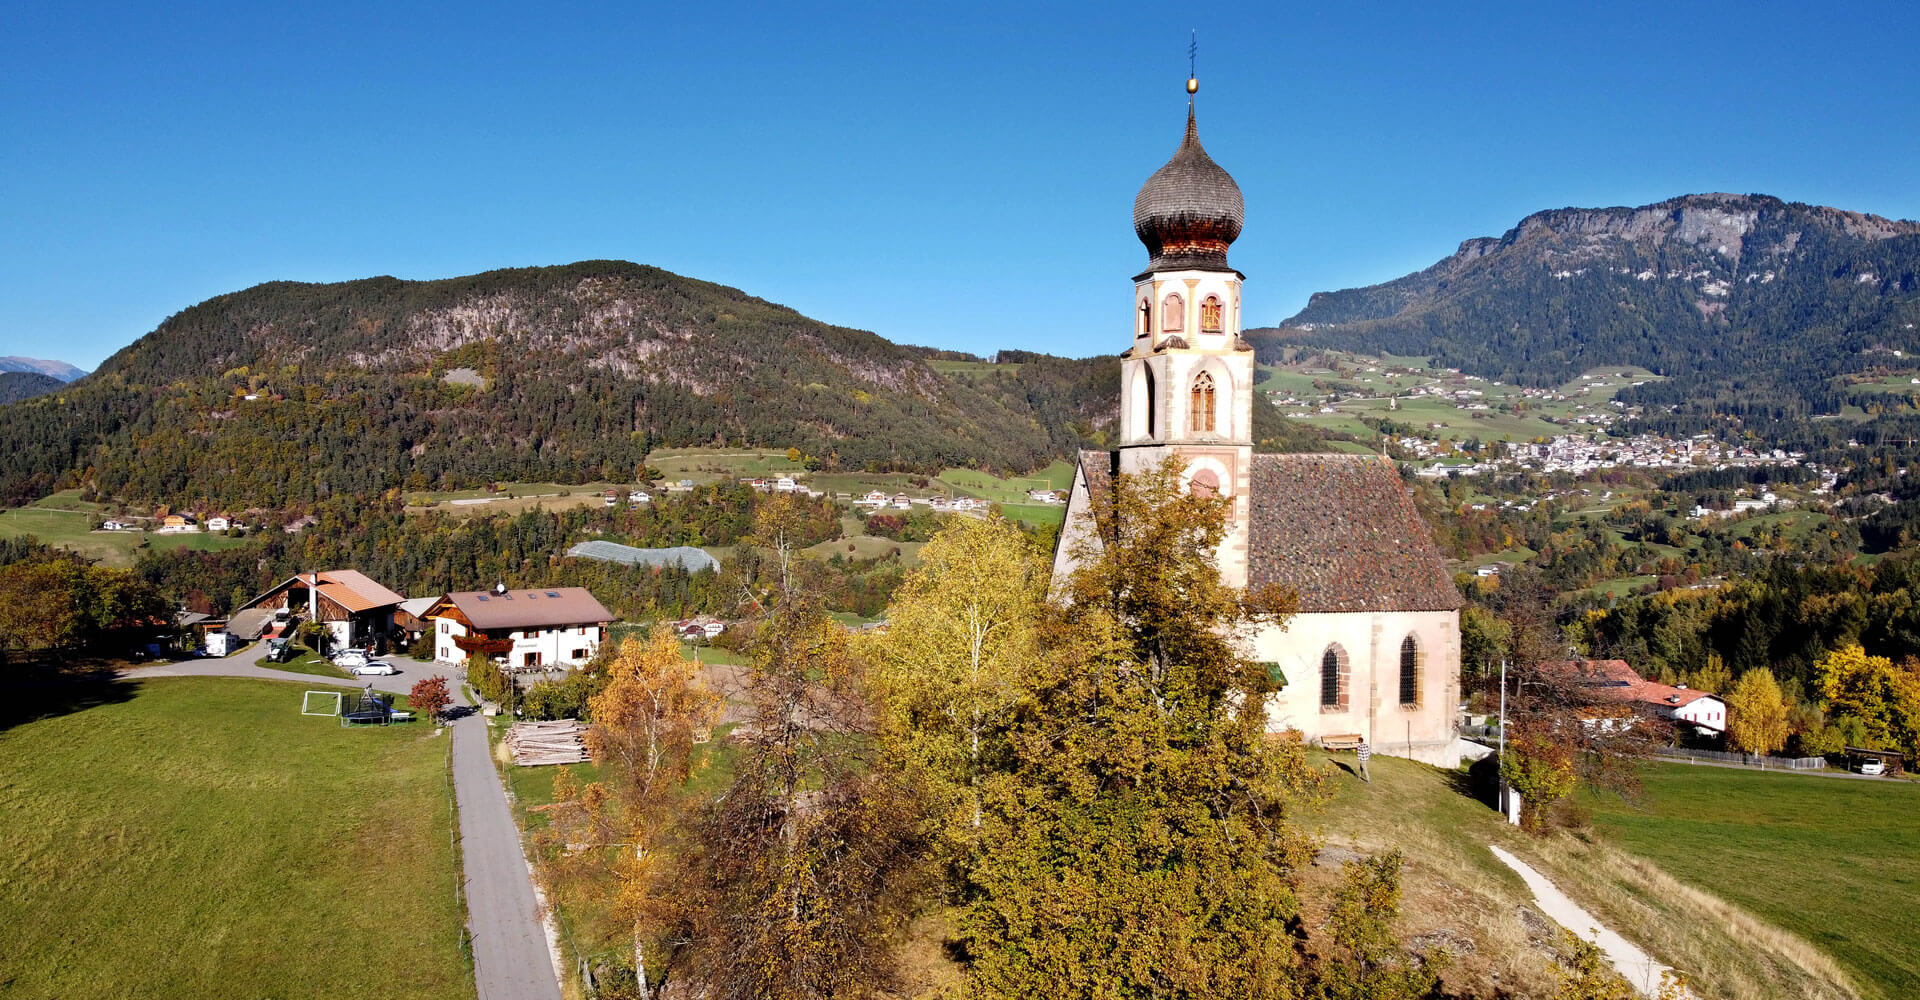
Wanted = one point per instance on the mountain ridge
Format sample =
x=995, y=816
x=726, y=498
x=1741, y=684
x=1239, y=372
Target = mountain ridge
x=59, y=370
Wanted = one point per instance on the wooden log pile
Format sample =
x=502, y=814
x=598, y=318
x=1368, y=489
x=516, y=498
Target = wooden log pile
x=534, y=744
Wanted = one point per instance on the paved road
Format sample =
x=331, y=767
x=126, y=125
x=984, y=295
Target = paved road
x=511, y=959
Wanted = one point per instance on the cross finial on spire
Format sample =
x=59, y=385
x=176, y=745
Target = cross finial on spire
x=1193, y=75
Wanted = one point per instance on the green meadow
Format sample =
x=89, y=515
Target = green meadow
x=199, y=837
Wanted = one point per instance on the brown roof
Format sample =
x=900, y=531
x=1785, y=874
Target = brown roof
x=1340, y=530
x=1618, y=680
x=355, y=591
x=522, y=609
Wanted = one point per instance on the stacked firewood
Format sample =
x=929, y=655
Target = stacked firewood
x=536, y=743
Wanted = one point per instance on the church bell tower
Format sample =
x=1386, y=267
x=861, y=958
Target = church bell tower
x=1186, y=387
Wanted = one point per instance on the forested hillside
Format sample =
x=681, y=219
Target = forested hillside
x=16, y=386
x=288, y=393
x=1753, y=307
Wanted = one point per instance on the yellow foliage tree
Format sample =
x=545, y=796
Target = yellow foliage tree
x=960, y=628
x=1757, y=713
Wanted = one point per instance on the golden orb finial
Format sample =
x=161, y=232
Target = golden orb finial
x=1193, y=85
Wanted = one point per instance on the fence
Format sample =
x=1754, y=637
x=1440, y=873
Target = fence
x=1747, y=759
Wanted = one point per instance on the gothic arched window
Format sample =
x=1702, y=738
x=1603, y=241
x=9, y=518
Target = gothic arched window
x=1173, y=314
x=1146, y=319
x=1201, y=411
x=1333, y=676
x=1210, y=315
x=1409, y=671
x=1152, y=402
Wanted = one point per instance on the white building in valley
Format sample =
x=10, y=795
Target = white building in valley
x=562, y=626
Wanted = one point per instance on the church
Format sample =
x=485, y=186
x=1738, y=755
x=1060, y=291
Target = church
x=1374, y=651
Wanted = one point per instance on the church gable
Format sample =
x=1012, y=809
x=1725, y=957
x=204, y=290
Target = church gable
x=1342, y=531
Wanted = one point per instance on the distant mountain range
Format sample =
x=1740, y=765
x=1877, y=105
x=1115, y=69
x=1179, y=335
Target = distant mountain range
x=1755, y=307
x=53, y=369
x=1712, y=279
x=286, y=393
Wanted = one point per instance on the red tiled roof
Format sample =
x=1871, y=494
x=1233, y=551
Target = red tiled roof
x=1618, y=680
x=1340, y=530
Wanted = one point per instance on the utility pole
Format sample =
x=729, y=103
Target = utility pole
x=1501, y=757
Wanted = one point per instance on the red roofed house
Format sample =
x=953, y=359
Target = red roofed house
x=1614, y=681
x=1375, y=649
x=562, y=626
x=354, y=608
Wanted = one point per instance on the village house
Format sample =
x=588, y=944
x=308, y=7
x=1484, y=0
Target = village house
x=115, y=525
x=218, y=523
x=1615, y=684
x=179, y=522
x=355, y=610
x=875, y=498
x=543, y=627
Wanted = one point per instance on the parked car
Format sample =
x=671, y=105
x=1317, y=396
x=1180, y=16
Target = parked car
x=279, y=650
x=1874, y=767
x=374, y=667
x=350, y=658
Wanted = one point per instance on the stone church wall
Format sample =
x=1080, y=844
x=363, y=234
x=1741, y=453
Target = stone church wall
x=1368, y=645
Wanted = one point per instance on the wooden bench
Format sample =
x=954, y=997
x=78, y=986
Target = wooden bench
x=1343, y=741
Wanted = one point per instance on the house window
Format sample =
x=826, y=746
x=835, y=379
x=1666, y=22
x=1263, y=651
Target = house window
x=446, y=628
x=530, y=660
x=580, y=654
x=1333, y=679
x=1173, y=314
x=1201, y=411
x=1210, y=314
x=1409, y=671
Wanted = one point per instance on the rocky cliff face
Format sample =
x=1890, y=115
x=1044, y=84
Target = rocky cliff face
x=1712, y=278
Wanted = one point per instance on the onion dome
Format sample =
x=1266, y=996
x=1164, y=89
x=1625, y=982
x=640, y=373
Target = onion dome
x=1189, y=211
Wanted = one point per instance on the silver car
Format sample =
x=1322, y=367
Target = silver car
x=374, y=667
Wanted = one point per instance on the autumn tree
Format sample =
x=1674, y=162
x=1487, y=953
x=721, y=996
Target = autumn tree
x=1757, y=714
x=797, y=881
x=652, y=709
x=1362, y=958
x=429, y=695
x=1872, y=695
x=1140, y=843
x=959, y=631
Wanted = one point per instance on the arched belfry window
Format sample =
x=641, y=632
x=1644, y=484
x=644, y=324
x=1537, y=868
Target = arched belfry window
x=1146, y=319
x=1409, y=671
x=1153, y=401
x=1333, y=679
x=1201, y=410
x=1173, y=314
x=1210, y=314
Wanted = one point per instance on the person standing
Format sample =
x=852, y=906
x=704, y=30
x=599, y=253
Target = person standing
x=1365, y=751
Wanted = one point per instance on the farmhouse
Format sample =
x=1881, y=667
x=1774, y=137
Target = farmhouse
x=355, y=610
x=1374, y=651
x=218, y=523
x=1616, y=683
x=529, y=628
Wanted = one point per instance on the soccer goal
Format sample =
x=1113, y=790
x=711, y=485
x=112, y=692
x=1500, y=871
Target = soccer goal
x=307, y=702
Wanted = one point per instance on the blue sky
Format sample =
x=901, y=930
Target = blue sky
x=955, y=175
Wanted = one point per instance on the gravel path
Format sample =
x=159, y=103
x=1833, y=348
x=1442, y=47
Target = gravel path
x=512, y=959
x=1635, y=966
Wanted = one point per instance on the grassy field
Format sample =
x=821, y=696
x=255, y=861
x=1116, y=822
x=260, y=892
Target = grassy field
x=1456, y=890
x=1012, y=490
x=73, y=530
x=198, y=837
x=1834, y=861
x=705, y=465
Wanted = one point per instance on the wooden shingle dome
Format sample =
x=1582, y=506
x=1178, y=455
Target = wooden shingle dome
x=1189, y=211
